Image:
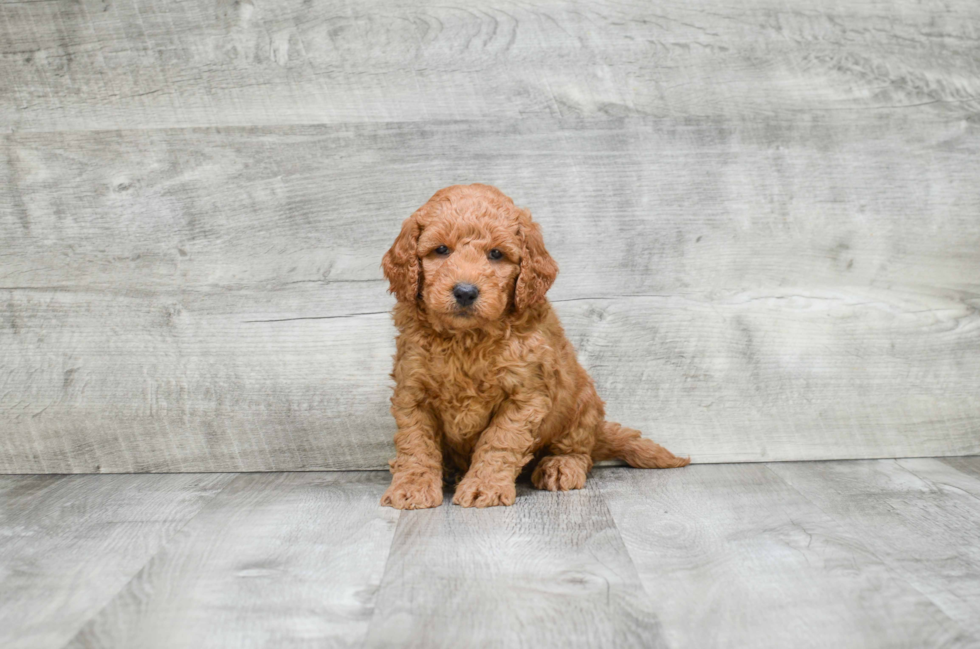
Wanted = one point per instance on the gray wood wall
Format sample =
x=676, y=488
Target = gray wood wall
x=767, y=216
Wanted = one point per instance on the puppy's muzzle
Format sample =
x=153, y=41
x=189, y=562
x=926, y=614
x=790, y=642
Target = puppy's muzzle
x=465, y=294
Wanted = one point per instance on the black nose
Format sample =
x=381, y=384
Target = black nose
x=465, y=294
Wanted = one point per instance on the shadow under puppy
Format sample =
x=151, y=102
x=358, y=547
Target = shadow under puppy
x=485, y=379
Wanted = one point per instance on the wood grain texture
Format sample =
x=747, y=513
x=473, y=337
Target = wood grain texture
x=765, y=215
x=968, y=465
x=155, y=64
x=548, y=571
x=284, y=560
x=69, y=544
x=197, y=300
x=848, y=554
x=915, y=515
x=732, y=556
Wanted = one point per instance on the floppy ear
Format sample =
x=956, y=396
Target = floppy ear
x=401, y=264
x=538, y=269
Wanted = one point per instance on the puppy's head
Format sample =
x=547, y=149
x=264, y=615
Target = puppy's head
x=471, y=256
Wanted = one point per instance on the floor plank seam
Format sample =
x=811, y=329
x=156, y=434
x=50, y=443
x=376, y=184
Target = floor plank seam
x=384, y=573
x=944, y=484
x=619, y=535
x=893, y=570
x=163, y=546
x=854, y=533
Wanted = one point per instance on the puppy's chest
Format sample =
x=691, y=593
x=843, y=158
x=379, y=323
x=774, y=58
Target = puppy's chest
x=464, y=390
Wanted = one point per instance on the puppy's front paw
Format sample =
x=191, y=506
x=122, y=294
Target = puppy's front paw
x=472, y=492
x=416, y=491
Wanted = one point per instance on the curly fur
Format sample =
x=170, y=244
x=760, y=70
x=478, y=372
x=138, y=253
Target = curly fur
x=484, y=390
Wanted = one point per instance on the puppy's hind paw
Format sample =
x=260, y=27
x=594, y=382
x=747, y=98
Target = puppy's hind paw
x=561, y=472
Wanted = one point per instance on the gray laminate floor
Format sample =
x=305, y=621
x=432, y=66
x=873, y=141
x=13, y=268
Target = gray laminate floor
x=879, y=553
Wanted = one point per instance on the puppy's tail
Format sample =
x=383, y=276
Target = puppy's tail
x=619, y=442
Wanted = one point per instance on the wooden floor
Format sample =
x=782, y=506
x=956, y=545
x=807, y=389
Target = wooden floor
x=874, y=553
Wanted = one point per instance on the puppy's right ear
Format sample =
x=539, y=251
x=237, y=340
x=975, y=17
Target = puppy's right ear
x=401, y=264
x=538, y=269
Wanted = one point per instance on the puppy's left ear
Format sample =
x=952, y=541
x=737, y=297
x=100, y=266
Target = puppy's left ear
x=401, y=263
x=538, y=269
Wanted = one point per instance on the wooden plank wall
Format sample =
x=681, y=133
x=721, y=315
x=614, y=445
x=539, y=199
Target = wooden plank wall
x=767, y=216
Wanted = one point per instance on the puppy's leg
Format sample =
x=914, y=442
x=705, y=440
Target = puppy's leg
x=570, y=460
x=500, y=454
x=416, y=481
x=562, y=471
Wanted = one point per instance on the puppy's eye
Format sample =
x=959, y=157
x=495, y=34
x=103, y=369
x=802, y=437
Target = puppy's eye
x=442, y=250
x=495, y=254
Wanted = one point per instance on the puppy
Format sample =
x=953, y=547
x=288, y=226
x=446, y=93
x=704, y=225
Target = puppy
x=485, y=379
